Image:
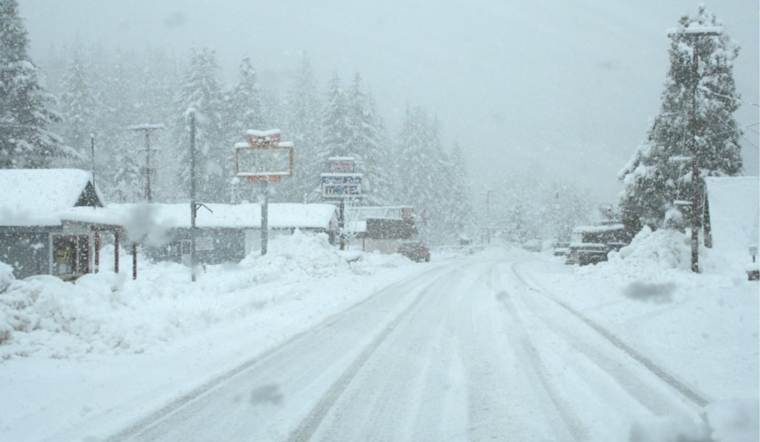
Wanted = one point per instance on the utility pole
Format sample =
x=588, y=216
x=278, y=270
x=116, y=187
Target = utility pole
x=92, y=151
x=265, y=217
x=147, y=129
x=193, y=208
x=695, y=33
x=488, y=215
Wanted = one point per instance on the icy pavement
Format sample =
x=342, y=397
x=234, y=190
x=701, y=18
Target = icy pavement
x=503, y=345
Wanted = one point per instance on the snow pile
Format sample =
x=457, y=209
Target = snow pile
x=368, y=263
x=6, y=276
x=297, y=257
x=663, y=249
x=108, y=313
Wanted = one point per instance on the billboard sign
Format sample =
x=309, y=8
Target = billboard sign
x=341, y=185
x=342, y=164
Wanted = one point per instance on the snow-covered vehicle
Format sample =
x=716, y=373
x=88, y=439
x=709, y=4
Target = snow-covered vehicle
x=415, y=250
x=586, y=253
x=560, y=248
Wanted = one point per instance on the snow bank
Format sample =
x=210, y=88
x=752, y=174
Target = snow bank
x=298, y=256
x=108, y=313
x=663, y=249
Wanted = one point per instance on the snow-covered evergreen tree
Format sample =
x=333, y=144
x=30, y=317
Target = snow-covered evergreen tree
x=244, y=107
x=126, y=148
x=79, y=106
x=156, y=82
x=660, y=171
x=458, y=194
x=214, y=157
x=26, y=109
x=422, y=169
x=335, y=130
x=367, y=142
x=302, y=126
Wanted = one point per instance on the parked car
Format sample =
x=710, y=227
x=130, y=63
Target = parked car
x=560, y=248
x=415, y=250
x=532, y=245
x=586, y=253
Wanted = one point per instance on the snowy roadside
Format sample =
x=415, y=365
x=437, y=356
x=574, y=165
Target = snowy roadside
x=93, y=356
x=703, y=329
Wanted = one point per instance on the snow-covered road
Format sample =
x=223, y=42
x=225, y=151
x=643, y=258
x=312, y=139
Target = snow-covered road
x=468, y=351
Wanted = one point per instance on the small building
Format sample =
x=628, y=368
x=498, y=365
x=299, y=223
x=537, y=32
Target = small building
x=381, y=228
x=224, y=232
x=734, y=215
x=36, y=235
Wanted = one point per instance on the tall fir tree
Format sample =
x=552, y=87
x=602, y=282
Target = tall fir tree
x=243, y=110
x=26, y=109
x=660, y=171
x=303, y=123
x=334, y=131
x=201, y=91
x=79, y=105
x=126, y=147
x=368, y=142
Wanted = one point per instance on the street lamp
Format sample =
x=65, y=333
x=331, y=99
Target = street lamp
x=695, y=32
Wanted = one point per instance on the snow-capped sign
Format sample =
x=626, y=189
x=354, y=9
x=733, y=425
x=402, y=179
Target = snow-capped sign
x=341, y=185
x=259, y=137
x=342, y=164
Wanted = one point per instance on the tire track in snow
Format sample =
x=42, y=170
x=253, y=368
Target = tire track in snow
x=694, y=397
x=178, y=403
x=309, y=425
x=524, y=345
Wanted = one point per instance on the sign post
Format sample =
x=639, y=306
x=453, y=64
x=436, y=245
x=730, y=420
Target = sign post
x=340, y=184
x=263, y=159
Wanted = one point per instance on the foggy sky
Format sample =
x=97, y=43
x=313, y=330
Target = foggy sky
x=561, y=88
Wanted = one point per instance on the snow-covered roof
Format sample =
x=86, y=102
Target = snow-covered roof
x=281, y=215
x=263, y=133
x=734, y=212
x=39, y=196
x=146, y=126
x=598, y=229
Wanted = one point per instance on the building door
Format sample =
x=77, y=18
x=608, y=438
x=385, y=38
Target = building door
x=71, y=255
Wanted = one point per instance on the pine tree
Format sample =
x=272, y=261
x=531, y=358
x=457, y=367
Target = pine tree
x=156, y=83
x=214, y=158
x=302, y=124
x=660, y=171
x=459, y=204
x=335, y=130
x=367, y=142
x=244, y=107
x=26, y=109
x=126, y=147
x=422, y=166
x=78, y=105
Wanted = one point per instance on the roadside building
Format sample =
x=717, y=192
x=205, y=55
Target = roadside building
x=734, y=218
x=382, y=228
x=37, y=233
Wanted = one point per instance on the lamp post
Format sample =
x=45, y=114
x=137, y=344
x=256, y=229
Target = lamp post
x=694, y=33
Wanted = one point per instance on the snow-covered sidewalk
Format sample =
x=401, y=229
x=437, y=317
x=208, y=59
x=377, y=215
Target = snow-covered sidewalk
x=702, y=329
x=107, y=350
